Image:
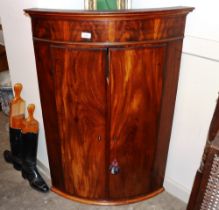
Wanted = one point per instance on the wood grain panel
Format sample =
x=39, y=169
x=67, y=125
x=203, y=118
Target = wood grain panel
x=174, y=51
x=80, y=91
x=136, y=81
x=120, y=30
x=46, y=86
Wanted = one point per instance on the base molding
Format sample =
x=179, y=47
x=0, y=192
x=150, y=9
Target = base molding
x=176, y=189
x=171, y=186
x=43, y=169
x=105, y=202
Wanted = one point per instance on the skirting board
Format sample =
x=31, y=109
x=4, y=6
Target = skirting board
x=176, y=189
x=44, y=171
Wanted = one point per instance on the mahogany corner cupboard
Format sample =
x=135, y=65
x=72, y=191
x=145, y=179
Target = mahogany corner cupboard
x=108, y=83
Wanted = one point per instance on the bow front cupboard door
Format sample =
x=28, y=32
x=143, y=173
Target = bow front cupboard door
x=83, y=79
x=108, y=83
x=80, y=95
x=135, y=86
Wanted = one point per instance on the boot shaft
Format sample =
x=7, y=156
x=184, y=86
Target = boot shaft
x=15, y=141
x=29, y=148
x=29, y=169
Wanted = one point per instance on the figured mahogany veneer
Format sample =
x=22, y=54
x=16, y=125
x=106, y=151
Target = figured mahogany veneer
x=108, y=94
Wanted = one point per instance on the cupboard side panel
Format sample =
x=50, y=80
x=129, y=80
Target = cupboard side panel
x=81, y=106
x=136, y=82
x=174, y=51
x=45, y=80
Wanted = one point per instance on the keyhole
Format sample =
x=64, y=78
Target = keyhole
x=114, y=138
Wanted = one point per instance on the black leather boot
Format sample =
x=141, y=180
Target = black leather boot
x=29, y=169
x=15, y=155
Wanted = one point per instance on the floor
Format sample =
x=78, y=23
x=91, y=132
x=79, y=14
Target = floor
x=15, y=192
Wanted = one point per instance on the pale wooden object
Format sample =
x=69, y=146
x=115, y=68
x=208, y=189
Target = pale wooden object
x=30, y=125
x=17, y=108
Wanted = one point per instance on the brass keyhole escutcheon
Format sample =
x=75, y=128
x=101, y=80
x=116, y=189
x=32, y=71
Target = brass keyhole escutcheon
x=114, y=167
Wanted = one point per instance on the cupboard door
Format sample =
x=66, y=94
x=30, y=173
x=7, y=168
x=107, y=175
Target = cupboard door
x=47, y=96
x=135, y=86
x=79, y=78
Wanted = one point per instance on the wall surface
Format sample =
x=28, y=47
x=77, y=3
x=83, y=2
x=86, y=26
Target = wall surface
x=1, y=36
x=19, y=48
x=197, y=90
x=61, y=4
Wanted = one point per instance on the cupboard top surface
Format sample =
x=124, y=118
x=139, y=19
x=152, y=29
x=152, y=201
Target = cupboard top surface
x=114, y=13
